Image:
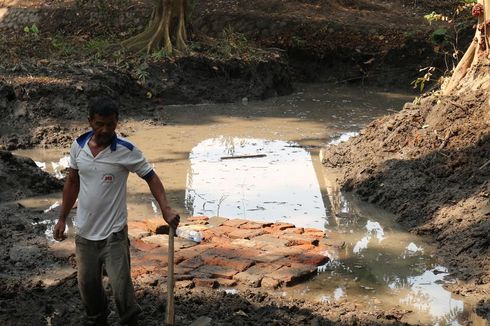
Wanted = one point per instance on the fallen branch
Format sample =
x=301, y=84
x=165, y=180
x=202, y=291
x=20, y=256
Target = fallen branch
x=242, y=156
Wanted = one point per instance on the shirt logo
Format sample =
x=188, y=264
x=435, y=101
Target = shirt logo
x=107, y=178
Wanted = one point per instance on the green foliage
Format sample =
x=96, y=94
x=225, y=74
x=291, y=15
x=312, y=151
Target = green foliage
x=297, y=42
x=31, y=30
x=445, y=38
x=141, y=72
x=440, y=35
x=433, y=16
x=160, y=54
x=96, y=47
x=97, y=44
x=60, y=44
x=233, y=44
x=191, y=6
x=421, y=81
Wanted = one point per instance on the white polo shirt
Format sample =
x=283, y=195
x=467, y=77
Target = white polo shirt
x=102, y=206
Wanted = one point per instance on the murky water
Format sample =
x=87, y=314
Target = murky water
x=260, y=161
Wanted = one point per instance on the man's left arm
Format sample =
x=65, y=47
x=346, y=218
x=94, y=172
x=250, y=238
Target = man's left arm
x=158, y=191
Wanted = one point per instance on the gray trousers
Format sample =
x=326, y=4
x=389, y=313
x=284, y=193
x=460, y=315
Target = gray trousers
x=111, y=254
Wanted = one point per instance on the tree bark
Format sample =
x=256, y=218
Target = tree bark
x=166, y=29
x=477, y=50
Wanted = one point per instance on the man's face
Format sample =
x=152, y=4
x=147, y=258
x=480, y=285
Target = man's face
x=104, y=128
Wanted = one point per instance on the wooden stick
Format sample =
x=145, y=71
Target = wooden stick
x=170, y=318
x=242, y=156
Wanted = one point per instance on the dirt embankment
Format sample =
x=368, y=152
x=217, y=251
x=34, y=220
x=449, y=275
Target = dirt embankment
x=253, y=49
x=430, y=164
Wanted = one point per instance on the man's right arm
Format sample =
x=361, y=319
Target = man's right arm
x=70, y=194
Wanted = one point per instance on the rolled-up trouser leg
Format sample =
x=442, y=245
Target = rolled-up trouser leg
x=117, y=265
x=90, y=266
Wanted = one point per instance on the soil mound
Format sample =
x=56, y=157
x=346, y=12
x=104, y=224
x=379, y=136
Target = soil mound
x=20, y=177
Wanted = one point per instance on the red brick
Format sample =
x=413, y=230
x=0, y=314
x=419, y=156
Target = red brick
x=309, y=259
x=270, y=283
x=255, y=225
x=217, y=271
x=248, y=279
x=205, y=282
x=141, y=266
x=267, y=257
x=143, y=246
x=299, y=239
x=157, y=239
x=232, y=252
x=192, y=263
x=181, y=270
x=224, y=282
x=137, y=233
x=137, y=224
x=282, y=226
x=315, y=233
x=235, y=222
x=218, y=231
x=240, y=243
x=269, y=242
x=219, y=240
x=198, y=219
x=294, y=273
x=245, y=233
x=217, y=221
x=238, y=264
x=188, y=253
x=264, y=269
x=153, y=223
x=282, y=251
x=253, y=276
x=293, y=231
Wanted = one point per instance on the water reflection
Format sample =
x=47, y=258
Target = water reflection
x=55, y=168
x=379, y=265
x=267, y=180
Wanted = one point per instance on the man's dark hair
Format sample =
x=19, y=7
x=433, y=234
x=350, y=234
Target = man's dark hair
x=103, y=106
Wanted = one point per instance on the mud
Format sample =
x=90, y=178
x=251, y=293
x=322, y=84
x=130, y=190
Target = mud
x=428, y=163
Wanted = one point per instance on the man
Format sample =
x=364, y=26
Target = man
x=100, y=162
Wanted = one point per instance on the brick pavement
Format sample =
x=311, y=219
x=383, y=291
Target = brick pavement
x=234, y=252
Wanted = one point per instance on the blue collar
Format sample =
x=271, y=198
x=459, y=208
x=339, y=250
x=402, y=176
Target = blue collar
x=83, y=139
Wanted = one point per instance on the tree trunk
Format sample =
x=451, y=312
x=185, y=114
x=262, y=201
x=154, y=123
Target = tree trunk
x=477, y=52
x=166, y=29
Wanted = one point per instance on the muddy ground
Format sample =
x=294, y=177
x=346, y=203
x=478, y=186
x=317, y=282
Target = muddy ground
x=428, y=163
